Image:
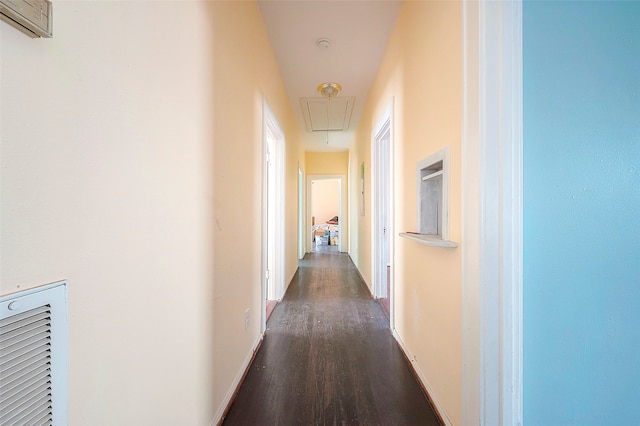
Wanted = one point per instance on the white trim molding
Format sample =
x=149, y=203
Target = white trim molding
x=384, y=125
x=492, y=206
x=271, y=130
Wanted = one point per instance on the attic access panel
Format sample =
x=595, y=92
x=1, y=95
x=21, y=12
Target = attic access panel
x=321, y=115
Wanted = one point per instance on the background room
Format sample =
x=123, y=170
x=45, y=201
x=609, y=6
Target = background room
x=325, y=207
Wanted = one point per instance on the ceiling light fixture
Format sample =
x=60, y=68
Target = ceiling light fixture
x=329, y=91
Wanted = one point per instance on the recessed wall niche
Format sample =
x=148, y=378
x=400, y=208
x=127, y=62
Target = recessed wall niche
x=433, y=195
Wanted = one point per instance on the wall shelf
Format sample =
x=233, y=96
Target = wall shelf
x=430, y=240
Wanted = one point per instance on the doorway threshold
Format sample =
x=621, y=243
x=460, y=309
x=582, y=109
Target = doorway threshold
x=271, y=305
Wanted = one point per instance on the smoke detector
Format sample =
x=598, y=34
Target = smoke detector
x=323, y=43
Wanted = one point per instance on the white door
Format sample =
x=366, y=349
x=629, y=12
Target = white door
x=382, y=199
x=271, y=218
x=272, y=214
x=385, y=209
x=301, y=227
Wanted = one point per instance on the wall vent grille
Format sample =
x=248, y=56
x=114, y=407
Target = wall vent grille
x=25, y=368
x=33, y=359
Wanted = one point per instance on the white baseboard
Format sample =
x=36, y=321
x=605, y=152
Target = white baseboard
x=423, y=380
x=369, y=288
x=236, y=382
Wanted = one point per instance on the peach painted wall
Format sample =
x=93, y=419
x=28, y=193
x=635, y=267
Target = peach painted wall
x=421, y=74
x=327, y=163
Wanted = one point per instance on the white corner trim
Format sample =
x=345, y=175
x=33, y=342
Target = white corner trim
x=470, y=250
x=236, y=382
x=500, y=144
x=512, y=212
x=423, y=380
x=492, y=213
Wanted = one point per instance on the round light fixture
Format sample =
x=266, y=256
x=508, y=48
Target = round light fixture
x=329, y=90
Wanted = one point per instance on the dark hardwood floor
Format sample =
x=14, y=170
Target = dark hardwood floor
x=328, y=358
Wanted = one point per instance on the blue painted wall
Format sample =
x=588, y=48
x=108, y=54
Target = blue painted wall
x=581, y=213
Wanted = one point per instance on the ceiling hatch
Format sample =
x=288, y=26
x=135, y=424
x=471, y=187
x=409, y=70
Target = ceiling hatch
x=321, y=114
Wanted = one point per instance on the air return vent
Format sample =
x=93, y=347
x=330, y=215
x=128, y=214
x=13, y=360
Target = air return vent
x=32, y=17
x=33, y=365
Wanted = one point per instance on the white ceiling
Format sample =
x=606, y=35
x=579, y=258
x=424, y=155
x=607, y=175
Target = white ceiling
x=358, y=31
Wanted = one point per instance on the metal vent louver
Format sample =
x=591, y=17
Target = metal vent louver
x=33, y=357
x=25, y=368
x=33, y=17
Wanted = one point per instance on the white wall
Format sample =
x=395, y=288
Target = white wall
x=325, y=199
x=120, y=150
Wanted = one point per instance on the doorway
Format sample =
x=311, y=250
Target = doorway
x=301, y=233
x=272, y=202
x=339, y=228
x=382, y=201
x=325, y=215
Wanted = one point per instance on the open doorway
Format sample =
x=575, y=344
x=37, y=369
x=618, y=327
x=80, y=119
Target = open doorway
x=382, y=200
x=325, y=215
x=301, y=232
x=326, y=208
x=272, y=202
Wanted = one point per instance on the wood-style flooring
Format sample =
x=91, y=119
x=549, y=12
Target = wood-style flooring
x=328, y=358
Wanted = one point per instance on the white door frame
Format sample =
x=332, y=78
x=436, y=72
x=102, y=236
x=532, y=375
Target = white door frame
x=302, y=235
x=342, y=246
x=271, y=130
x=383, y=125
x=492, y=213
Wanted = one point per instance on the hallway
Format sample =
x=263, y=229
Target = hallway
x=328, y=358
